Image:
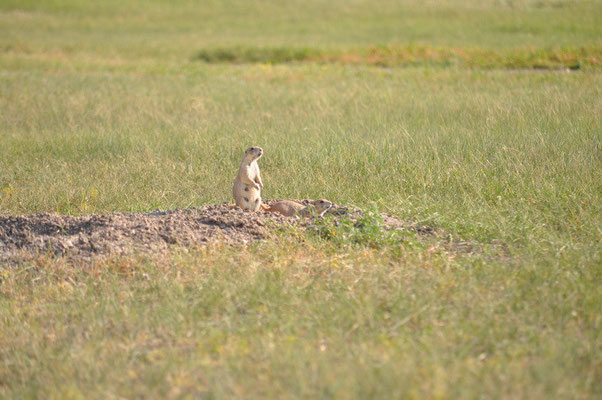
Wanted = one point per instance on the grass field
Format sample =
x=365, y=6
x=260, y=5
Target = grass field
x=475, y=125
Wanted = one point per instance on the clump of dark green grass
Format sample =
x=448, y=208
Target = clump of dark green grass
x=266, y=55
x=369, y=230
x=423, y=55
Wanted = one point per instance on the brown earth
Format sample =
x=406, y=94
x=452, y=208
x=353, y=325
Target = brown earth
x=26, y=236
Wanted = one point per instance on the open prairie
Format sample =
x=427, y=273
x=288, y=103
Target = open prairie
x=476, y=123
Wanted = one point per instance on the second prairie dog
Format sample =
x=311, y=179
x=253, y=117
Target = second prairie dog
x=290, y=208
x=248, y=184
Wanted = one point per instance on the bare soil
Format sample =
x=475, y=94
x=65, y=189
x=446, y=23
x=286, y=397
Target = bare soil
x=26, y=236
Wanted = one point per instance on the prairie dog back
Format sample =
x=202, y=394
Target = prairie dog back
x=290, y=208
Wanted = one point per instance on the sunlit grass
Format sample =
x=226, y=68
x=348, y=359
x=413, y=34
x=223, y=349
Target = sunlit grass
x=104, y=107
x=138, y=29
x=490, y=156
x=299, y=321
x=504, y=155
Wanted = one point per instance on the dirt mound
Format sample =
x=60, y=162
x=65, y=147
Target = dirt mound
x=83, y=237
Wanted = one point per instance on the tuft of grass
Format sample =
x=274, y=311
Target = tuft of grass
x=368, y=230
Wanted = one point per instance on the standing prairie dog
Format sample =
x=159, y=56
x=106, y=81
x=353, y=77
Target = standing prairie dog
x=248, y=184
x=290, y=208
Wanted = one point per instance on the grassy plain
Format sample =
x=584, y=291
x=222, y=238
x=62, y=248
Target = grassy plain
x=106, y=107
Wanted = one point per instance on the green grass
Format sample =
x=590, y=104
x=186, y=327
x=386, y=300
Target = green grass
x=106, y=107
x=176, y=30
x=302, y=322
x=396, y=56
x=509, y=156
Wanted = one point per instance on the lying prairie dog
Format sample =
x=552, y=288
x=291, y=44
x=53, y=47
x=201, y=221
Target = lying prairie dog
x=289, y=208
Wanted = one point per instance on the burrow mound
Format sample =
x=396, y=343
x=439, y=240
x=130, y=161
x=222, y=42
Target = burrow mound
x=24, y=236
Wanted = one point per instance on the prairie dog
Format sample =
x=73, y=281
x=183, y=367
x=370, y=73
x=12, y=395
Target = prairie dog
x=290, y=208
x=248, y=184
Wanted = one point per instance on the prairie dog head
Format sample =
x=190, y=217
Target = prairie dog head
x=321, y=205
x=253, y=153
